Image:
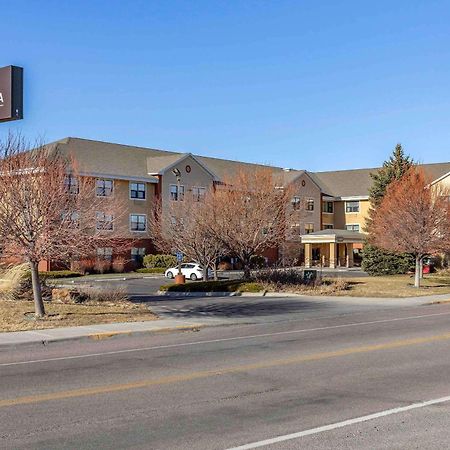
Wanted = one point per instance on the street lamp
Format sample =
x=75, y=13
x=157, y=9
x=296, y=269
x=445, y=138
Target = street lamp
x=179, y=279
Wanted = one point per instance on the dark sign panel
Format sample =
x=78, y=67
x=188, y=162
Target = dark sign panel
x=11, y=93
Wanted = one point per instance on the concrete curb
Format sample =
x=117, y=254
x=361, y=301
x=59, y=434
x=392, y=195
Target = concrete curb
x=99, y=336
x=210, y=294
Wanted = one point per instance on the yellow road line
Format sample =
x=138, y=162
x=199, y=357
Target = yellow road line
x=96, y=390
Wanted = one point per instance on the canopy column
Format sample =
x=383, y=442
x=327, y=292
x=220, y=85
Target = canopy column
x=349, y=247
x=333, y=259
x=308, y=255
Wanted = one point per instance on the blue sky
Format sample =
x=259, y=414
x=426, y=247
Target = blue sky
x=320, y=85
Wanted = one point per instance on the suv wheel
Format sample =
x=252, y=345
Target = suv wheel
x=193, y=277
x=169, y=275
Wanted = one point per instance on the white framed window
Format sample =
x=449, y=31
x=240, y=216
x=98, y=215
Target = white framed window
x=104, y=187
x=137, y=253
x=104, y=222
x=309, y=228
x=138, y=222
x=352, y=206
x=310, y=204
x=176, y=192
x=137, y=191
x=328, y=207
x=198, y=193
x=296, y=201
x=296, y=229
x=71, y=184
x=105, y=253
x=72, y=219
x=352, y=227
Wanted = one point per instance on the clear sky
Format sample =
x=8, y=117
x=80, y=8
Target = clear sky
x=319, y=85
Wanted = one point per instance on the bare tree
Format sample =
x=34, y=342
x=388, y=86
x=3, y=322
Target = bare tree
x=47, y=211
x=251, y=210
x=413, y=217
x=186, y=226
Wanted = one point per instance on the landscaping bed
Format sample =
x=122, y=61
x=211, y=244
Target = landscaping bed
x=214, y=286
x=18, y=315
x=397, y=286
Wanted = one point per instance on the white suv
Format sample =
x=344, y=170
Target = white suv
x=192, y=271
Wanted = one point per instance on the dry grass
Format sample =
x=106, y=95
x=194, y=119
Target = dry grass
x=18, y=315
x=11, y=279
x=395, y=286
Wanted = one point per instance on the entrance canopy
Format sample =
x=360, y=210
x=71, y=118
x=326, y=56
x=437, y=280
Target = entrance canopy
x=331, y=247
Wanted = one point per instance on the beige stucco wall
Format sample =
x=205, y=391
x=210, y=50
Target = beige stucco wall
x=198, y=177
x=309, y=191
x=444, y=183
x=341, y=218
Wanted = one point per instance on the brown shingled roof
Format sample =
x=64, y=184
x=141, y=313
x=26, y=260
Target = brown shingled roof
x=130, y=161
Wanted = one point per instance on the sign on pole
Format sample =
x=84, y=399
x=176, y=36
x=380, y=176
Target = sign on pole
x=179, y=256
x=11, y=93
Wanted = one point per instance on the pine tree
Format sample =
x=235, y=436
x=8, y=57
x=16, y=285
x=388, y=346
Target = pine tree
x=375, y=260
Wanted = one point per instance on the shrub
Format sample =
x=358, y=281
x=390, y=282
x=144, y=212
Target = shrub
x=16, y=284
x=102, y=294
x=257, y=262
x=213, y=286
x=151, y=270
x=84, y=266
x=102, y=266
x=59, y=274
x=224, y=265
x=280, y=277
x=376, y=261
x=161, y=261
x=118, y=265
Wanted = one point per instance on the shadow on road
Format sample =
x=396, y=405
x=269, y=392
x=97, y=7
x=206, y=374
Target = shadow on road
x=232, y=308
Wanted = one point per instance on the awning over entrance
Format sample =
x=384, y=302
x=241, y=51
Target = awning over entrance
x=334, y=247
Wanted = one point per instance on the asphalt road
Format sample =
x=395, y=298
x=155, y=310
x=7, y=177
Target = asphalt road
x=224, y=387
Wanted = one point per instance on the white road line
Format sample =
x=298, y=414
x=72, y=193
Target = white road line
x=212, y=341
x=333, y=426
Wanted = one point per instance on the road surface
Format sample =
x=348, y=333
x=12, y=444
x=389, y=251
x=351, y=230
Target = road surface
x=360, y=378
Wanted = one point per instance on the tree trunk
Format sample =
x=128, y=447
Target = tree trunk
x=246, y=264
x=205, y=272
x=417, y=272
x=39, y=309
x=421, y=268
x=215, y=270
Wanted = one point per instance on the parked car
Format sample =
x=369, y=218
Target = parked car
x=193, y=271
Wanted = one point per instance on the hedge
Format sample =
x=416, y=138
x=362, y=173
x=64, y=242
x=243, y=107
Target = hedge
x=161, y=261
x=214, y=286
x=151, y=270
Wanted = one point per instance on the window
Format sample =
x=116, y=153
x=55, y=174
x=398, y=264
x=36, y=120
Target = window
x=310, y=204
x=352, y=227
x=71, y=184
x=328, y=226
x=138, y=222
x=327, y=207
x=137, y=191
x=309, y=228
x=103, y=187
x=104, y=253
x=352, y=207
x=104, y=221
x=296, y=203
x=71, y=219
x=137, y=253
x=296, y=229
x=176, y=192
x=198, y=193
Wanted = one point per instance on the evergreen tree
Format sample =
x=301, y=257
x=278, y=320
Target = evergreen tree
x=375, y=260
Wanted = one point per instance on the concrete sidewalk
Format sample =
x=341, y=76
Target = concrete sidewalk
x=98, y=332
